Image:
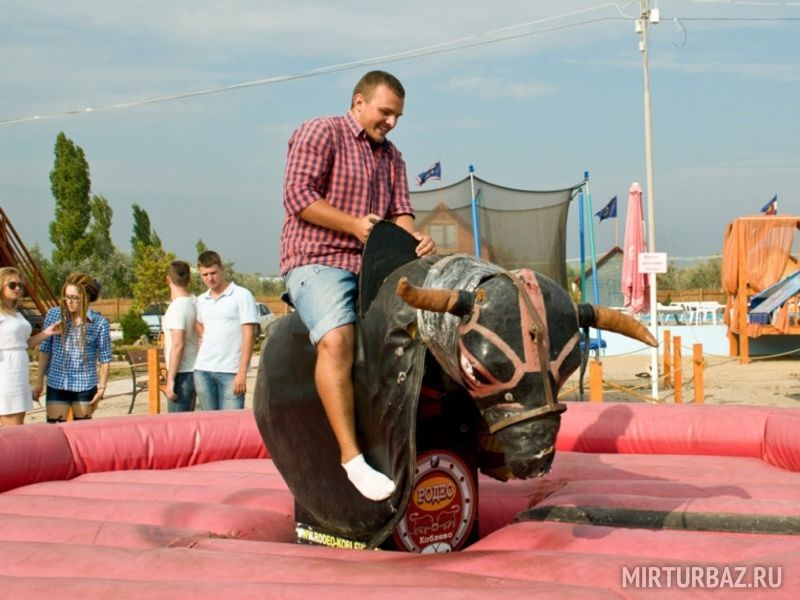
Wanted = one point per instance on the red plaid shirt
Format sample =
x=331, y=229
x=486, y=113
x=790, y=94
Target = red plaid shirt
x=330, y=158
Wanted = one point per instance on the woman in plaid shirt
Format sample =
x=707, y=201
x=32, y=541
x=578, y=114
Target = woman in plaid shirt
x=70, y=359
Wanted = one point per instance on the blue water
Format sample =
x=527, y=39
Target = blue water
x=713, y=338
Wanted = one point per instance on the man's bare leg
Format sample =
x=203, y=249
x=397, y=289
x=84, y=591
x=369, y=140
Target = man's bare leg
x=333, y=376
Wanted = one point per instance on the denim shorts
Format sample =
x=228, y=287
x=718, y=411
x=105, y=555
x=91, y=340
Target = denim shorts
x=324, y=297
x=68, y=396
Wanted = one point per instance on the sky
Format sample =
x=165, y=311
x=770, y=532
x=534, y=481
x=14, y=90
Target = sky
x=533, y=94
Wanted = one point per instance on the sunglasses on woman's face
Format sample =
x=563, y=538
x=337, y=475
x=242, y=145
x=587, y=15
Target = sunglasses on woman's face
x=12, y=285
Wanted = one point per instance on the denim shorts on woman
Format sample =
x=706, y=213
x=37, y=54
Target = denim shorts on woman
x=68, y=396
x=324, y=297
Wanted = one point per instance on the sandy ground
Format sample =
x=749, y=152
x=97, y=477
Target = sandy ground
x=772, y=382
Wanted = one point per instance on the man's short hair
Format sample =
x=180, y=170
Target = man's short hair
x=209, y=258
x=180, y=273
x=370, y=81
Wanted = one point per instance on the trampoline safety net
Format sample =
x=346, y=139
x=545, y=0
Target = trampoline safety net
x=519, y=229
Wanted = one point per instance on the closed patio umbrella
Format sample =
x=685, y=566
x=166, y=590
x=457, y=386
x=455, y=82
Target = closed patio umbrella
x=635, y=287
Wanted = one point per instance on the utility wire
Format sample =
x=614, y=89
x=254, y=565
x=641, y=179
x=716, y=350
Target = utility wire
x=754, y=19
x=489, y=37
x=745, y=2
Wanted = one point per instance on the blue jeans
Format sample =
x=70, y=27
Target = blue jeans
x=215, y=391
x=185, y=395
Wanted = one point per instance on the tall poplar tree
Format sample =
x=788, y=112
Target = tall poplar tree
x=70, y=184
x=100, y=229
x=150, y=262
x=142, y=234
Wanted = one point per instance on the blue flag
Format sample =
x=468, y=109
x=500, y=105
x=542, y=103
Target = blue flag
x=609, y=211
x=434, y=172
x=771, y=207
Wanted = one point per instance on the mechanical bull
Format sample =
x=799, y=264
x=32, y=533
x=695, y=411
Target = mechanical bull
x=503, y=342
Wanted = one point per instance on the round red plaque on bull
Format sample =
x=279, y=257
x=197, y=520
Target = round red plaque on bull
x=441, y=511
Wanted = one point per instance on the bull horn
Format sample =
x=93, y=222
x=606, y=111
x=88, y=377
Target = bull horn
x=602, y=317
x=455, y=302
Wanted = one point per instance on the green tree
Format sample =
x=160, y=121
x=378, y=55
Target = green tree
x=100, y=229
x=273, y=286
x=201, y=247
x=260, y=285
x=705, y=274
x=150, y=266
x=115, y=273
x=672, y=279
x=133, y=327
x=142, y=232
x=70, y=185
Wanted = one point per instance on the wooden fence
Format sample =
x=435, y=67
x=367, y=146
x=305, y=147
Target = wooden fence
x=697, y=295
x=114, y=308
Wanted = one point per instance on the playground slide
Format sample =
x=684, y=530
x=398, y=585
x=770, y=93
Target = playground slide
x=762, y=305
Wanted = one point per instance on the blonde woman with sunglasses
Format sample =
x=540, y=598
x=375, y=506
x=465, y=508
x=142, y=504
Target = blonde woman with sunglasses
x=70, y=359
x=16, y=397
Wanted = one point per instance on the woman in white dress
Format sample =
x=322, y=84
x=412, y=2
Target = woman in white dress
x=16, y=397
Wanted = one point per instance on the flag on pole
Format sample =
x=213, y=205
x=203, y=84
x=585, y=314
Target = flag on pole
x=433, y=172
x=609, y=211
x=771, y=207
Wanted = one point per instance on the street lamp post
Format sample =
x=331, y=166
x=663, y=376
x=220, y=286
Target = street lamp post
x=647, y=16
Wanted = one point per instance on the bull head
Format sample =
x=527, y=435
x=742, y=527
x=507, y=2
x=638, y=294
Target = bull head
x=517, y=344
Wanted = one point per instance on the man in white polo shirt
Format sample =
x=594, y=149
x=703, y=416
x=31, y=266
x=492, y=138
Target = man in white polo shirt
x=227, y=316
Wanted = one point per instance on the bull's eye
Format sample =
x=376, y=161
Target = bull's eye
x=471, y=373
x=491, y=359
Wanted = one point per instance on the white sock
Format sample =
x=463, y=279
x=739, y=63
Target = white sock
x=372, y=484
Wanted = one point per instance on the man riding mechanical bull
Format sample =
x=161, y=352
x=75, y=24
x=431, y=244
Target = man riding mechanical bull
x=342, y=408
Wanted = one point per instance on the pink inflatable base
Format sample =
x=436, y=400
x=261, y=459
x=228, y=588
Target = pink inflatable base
x=190, y=506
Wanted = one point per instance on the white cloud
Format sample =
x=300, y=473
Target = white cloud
x=489, y=87
x=779, y=72
x=772, y=71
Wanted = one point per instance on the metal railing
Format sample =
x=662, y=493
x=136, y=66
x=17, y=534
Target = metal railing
x=13, y=253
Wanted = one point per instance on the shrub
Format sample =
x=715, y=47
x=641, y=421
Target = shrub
x=133, y=327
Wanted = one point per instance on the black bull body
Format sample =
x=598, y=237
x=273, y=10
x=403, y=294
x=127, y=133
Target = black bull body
x=508, y=343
